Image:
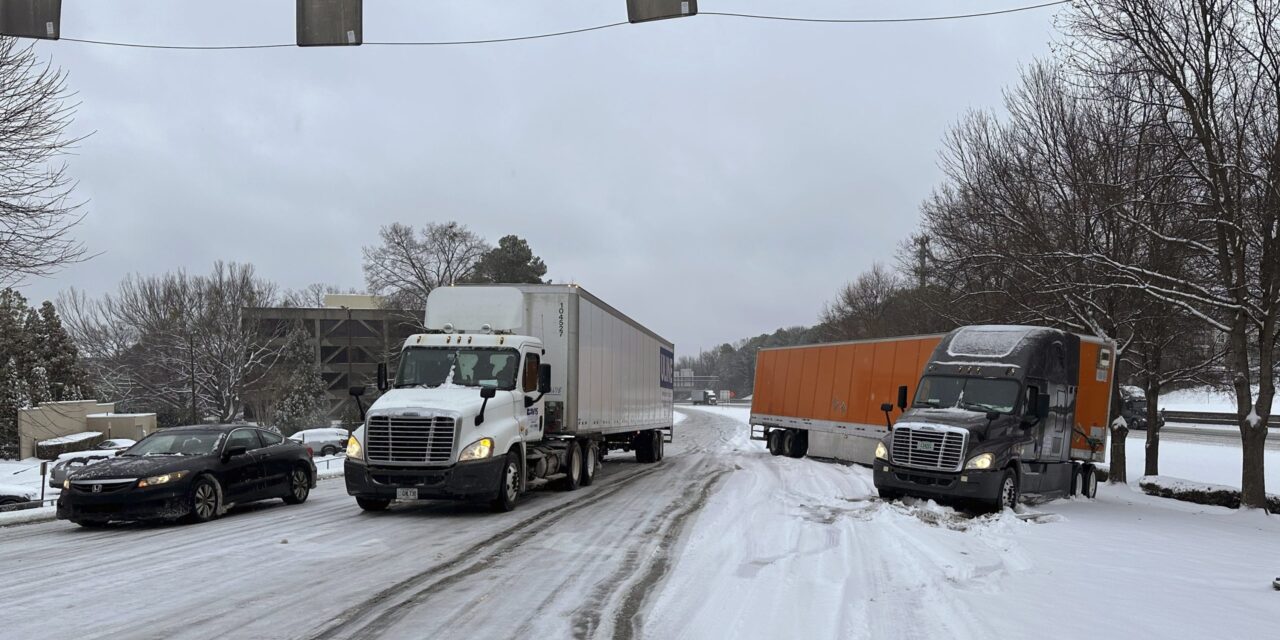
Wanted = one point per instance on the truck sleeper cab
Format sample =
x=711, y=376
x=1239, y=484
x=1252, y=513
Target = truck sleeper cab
x=1001, y=412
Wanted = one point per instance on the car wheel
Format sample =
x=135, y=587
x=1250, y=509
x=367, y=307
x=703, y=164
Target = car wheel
x=299, y=486
x=590, y=462
x=329, y=451
x=509, y=485
x=373, y=504
x=573, y=468
x=205, y=501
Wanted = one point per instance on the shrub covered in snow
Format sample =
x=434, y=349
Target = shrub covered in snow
x=1199, y=492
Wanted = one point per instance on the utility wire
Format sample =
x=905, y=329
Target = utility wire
x=445, y=43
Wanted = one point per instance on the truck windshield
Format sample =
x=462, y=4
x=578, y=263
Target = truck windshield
x=977, y=394
x=443, y=367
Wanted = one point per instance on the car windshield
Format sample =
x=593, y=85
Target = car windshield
x=186, y=443
x=975, y=394
x=443, y=367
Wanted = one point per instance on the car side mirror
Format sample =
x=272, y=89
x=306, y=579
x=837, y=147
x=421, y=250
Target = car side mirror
x=231, y=452
x=382, y=376
x=544, y=378
x=902, y=397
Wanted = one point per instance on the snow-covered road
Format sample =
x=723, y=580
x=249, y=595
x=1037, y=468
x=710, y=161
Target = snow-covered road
x=720, y=540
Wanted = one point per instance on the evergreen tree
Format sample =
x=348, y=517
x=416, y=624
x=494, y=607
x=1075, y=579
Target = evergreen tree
x=512, y=261
x=12, y=399
x=301, y=399
x=55, y=351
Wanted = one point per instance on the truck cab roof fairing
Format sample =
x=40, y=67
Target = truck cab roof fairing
x=469, y=309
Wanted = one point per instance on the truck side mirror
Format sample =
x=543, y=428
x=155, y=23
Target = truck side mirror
x=382, y=376
x=902, y=397
x=1042, y=406
x=488, y=392
x=357, y=390
x=544, y=378
x=886, y=408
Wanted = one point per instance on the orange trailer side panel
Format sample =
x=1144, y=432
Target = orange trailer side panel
x=1093, y=400
x=842, y=383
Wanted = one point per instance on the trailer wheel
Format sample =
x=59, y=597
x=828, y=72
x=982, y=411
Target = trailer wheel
x=775, y=442
x=509, y=485
x=797, y=443
x=590, y=462
x=659, y=445
x=1076, y=475
x=573, y=468
x=643, y=444
x=1088, y=482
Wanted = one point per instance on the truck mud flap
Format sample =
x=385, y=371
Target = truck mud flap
x=668, y=433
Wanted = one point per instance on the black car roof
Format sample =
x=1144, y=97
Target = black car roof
x=211, y=427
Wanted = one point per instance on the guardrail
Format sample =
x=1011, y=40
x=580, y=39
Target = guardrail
x=1202, y=417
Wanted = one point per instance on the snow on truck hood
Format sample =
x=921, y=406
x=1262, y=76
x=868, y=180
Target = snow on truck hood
x=453, y=400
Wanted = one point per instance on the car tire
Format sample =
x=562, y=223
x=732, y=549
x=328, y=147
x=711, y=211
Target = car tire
x=299, y=486
x=205, y=500
x=1008, y=493
x=572, y=468
x=590, y=462
x=508, y=485
x=329, y=451
x=373, y=504
x=1088, y=482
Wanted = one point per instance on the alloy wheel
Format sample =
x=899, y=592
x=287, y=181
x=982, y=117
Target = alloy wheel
x=206, y=500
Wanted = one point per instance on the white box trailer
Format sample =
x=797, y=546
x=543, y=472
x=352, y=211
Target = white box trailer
x=516, y=386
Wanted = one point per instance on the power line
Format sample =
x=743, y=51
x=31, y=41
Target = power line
x=886, y=20
x=554, y=34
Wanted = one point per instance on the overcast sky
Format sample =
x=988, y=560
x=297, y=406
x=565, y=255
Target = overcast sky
x=713, y=177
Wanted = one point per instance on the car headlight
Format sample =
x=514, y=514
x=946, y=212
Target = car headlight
x=478, y=450
x=882, y=452
x=353, y=448
x=161, y=479
x=66, y=484
x=980, y=461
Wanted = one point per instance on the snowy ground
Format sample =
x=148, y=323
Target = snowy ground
x=720, y=540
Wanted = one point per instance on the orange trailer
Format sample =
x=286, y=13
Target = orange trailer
x=1030, y=401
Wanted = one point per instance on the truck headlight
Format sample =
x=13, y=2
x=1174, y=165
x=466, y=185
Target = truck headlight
x=353, y=448
x=882, y=452
x=66, y=484
x=980, y=461
x=478, y=450
x=161, y=479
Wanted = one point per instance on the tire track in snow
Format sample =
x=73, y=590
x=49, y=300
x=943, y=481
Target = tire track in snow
x=378, y=613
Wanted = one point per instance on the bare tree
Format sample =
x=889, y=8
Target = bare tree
x=311, y=296
x=864, y=308
x=1213, y=71
x=36, y=210
x=408, y=264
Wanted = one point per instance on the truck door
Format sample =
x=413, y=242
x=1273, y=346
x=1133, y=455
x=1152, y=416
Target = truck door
x=532, y=420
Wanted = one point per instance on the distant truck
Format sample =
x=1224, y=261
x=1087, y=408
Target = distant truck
x=998, y=411
x=517, y=387
x=703, y=396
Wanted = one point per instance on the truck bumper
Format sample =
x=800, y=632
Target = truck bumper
x=966, y=485
x=459, y=482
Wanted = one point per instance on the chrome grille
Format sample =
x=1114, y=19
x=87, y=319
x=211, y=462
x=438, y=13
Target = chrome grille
x=405, y=439
x=936, y=448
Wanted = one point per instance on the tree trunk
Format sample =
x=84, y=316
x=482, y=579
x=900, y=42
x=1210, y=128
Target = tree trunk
x=1119, y=433
x=1152, y=451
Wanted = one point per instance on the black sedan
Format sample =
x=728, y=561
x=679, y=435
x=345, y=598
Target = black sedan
x=194, y=473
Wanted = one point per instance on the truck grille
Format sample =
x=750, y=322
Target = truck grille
x=937, y=448
x=402, y=439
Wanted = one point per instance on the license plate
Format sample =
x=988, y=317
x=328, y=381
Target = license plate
x=924, y=446
x=406, y=494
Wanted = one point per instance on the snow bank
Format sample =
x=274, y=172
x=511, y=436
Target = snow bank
x=27, y=516
x=1199, y=492
x=71, y=439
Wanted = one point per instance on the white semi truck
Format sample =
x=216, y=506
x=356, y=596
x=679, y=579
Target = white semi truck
x=515, y=387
